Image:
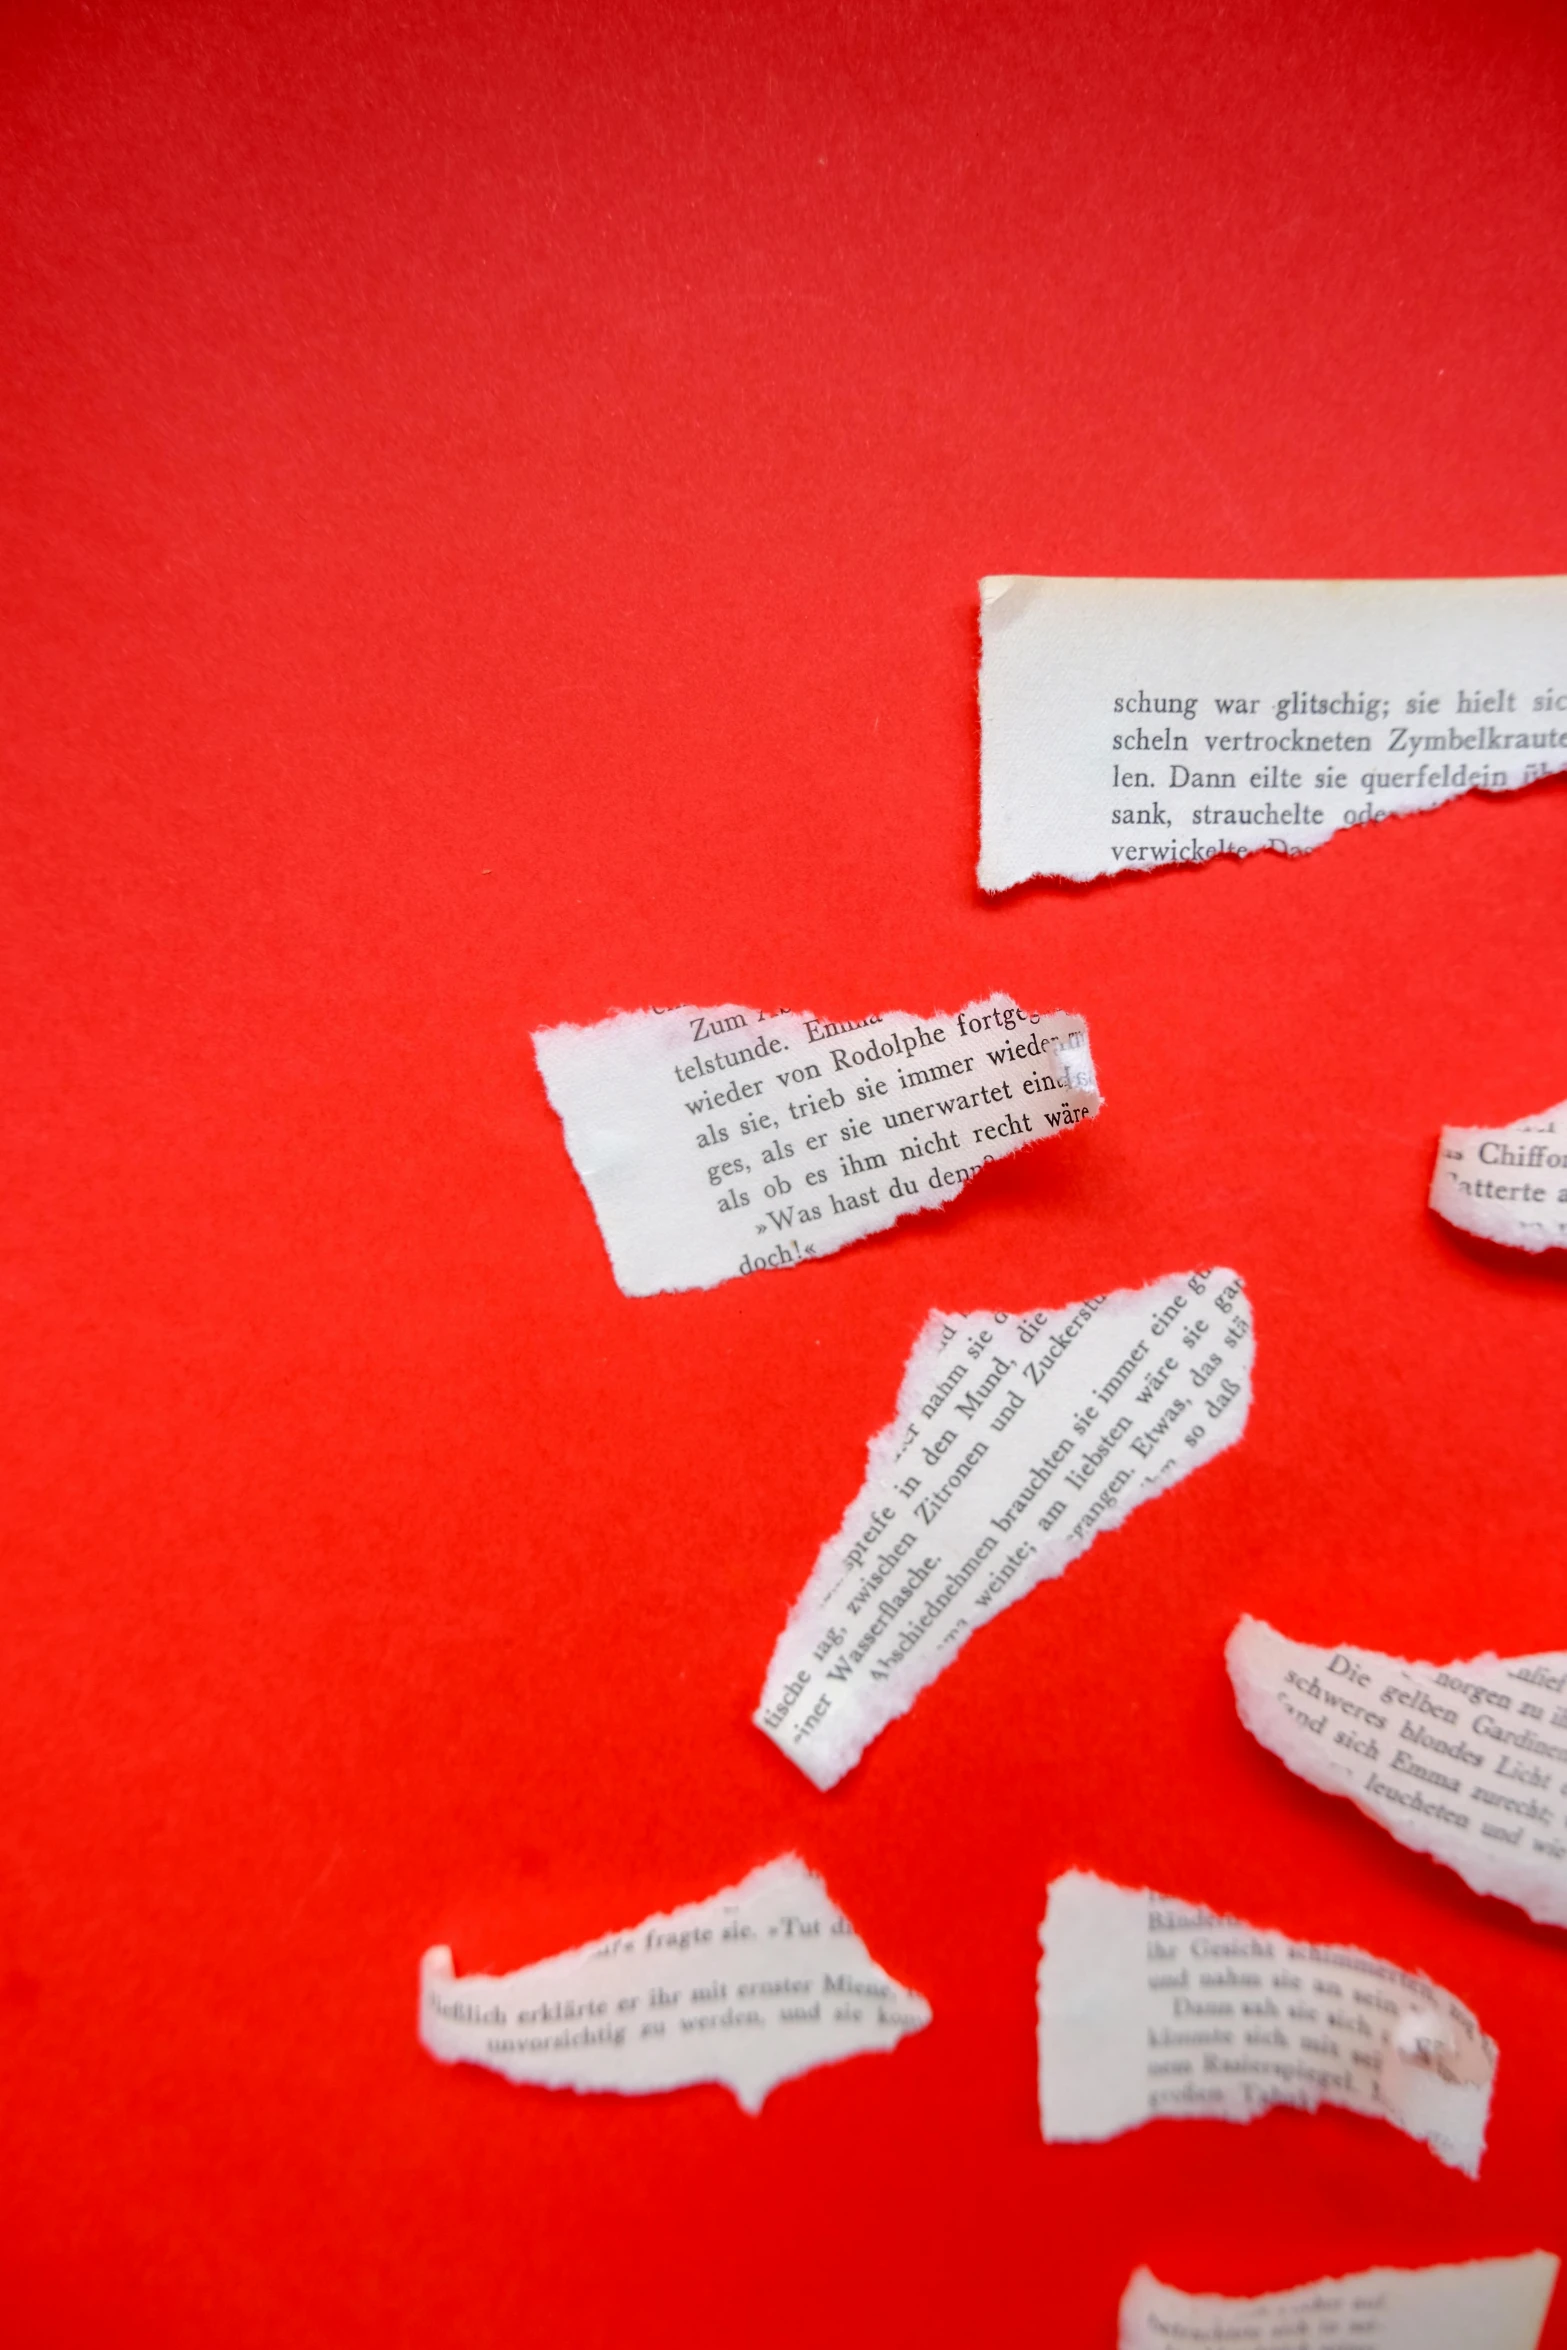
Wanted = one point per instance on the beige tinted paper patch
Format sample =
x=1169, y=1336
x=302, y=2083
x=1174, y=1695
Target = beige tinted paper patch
x=762, y=1982
x=1463, y=2305
x=1127, y=724
x=718, y=1141
x=1154, y=2009
x=1464, y=1761
x=1017, y=1441
x=1506, y=1183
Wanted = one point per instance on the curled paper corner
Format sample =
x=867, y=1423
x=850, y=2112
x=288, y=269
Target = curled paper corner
x=1151, y=2008
x=1465, y=1762
x=1426, y=2038
x=763, y=1982
x=1127, y=724
x=718, y=1141
x=1017, y=1441
x=1506, y=1183
x=1461, y=2305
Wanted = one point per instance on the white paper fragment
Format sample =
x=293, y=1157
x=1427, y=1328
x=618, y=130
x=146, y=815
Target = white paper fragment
x=766, y=1980
x=1131, y=723
x=1019, y=1438
x=1506, y=1183
x=1470, y=2305
x=1467, y=1761
x=1153, y=2008
x=724, y=1141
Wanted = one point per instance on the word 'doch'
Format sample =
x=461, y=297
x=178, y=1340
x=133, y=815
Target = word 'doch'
x=720, y=1142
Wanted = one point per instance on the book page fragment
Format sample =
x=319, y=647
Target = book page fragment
x=1506, y=1183
x=1468, y=2305
x=1151, y=2008
x=766, y=1980
x=1466, y=1762
x=724, y=1141
x=1131, y=723
x=1018, y=1440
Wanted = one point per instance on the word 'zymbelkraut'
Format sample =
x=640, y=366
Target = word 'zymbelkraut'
x=1127, y=724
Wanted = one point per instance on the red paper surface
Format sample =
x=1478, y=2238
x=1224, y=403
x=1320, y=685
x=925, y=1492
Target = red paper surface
x=495, y=496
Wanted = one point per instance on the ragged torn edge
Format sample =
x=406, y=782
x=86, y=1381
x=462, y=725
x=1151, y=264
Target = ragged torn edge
x=1132, y=724
x=1506, y=1183
x=1465, y=1762
x=1018, y=1440
x=719, y=1141
x=1460, y=2305
x=763, y=1982
x=1157, y=2009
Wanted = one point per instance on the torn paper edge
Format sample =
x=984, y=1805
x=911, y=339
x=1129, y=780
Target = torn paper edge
x=669, y=1946
x=605, y=1081
x=1457, y=2305
x=1097, y=1942
x=1161, y=648
x=1530, y=1157
x=1539, y=1891
x=796, y=1703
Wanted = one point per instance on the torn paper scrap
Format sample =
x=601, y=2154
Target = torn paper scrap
x=1467, y=1762
x=1131, y=723
x=1018, y=1440
x=764, y=1981
x=1468, y=2305
x=1153, y=2008
x=1506, y=1183
x=727, y=1141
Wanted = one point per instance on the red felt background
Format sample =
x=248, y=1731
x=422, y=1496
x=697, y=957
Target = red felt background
x=494, y=496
